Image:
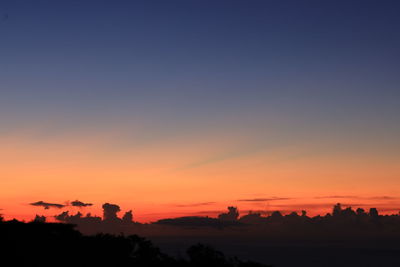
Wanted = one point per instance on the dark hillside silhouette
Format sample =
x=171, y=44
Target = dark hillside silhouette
x=350, y=237
x=56, y=244
x=347, y=236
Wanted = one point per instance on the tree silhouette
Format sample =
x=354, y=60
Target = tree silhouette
x=56, y=244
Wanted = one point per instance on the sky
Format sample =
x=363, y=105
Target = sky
x=175, y=108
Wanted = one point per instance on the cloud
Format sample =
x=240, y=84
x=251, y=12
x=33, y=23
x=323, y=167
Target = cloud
x=383, y=198
x=231, y=215
x=228, y=155
x=195, y=204
x=357, y=197
x=47, y=205
x=312, y=206
x=335, y=196
x=78, y=203
x=110, y=212
x=264, y=199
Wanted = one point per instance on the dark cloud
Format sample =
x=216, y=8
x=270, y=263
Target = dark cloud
x=41, y=219
x=231, y=215
x=78, y=203
x=315, y=205
x=47, y=205
x=110, y=212
x=264, y=199
x=128, y=217
x=195, y=204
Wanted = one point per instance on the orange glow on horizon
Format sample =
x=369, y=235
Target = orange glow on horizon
x=169, y=179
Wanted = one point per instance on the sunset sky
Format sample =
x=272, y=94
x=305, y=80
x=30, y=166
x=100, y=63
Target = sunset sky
x=173, y=108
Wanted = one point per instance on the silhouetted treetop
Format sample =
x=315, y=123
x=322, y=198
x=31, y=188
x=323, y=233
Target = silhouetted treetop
x=56, y=244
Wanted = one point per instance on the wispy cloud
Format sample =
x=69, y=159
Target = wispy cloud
x=383, y=198
x=357, y=197
x=195, y=204
x=335, y=197
x=312, y=206
x=264, y=199
x=232, y=154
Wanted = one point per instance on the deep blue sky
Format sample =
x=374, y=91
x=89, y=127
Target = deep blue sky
x=197, y=64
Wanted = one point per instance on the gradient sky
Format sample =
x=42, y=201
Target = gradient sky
x=184, y=107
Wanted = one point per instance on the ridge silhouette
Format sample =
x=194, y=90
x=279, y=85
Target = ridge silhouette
x=360, y=237
x=57, y=244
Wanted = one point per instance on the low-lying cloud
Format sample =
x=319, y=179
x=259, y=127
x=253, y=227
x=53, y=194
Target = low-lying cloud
x=357, y=197
x=195, y=204
x=47, y=205
x=78, y=203
x=335, y=197
x=264, y=199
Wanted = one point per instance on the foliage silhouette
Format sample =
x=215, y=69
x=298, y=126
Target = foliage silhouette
x=56, y=244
